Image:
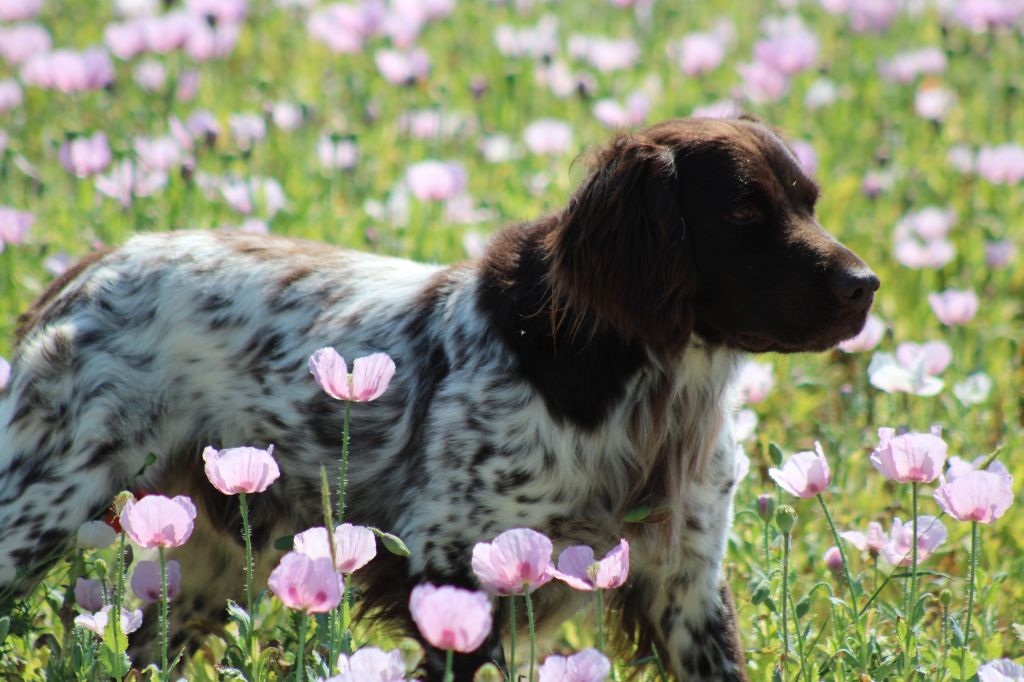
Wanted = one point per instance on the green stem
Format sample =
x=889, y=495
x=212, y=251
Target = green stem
x=785, y=598
x=300, y=666
x=970, y=596
x=842, y=555
x=346, y=618
x=119, y=601
x=449, y=676
x=600, y=620
x=343, y=472
x=512, y=639
x=164, y=608
x=662, y=674
x=767, y=553
x=247, y=536
x=533, y=634
x=912, y=602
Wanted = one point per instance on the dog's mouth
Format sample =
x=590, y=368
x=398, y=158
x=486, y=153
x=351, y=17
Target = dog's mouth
x=827, y=337
x=755, y=343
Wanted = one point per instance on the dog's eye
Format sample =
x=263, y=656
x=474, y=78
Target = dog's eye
x=744, y=214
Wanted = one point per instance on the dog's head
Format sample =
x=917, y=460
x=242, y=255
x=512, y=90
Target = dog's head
x=707, y=225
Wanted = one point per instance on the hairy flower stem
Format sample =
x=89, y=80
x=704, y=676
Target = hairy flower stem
x=785, y=595
x=164, y=607
x=912, y=601
x=247, y=536
x=512, y=639
x=119, y=600
x=300, y=666
x=970, y=596
x=343, y=470
x=852, y=608
x=600, y=620
x=334, y=617
x=767, y=552
x=533, y=634
x=449, y=676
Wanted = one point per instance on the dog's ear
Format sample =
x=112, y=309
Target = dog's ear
x=621, y=251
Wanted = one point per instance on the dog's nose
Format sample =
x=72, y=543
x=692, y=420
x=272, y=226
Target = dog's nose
x=855, y=288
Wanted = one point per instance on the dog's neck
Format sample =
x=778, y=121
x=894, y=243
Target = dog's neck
x=582, y=368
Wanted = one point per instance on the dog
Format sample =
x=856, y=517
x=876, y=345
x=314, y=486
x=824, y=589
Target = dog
x=578, y=370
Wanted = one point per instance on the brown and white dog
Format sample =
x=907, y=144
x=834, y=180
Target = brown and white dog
x=578, y=370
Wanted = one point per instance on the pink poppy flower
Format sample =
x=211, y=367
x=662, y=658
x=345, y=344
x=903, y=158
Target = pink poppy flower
x=912, y=457
x=873, y=541
x=868, y=338
x=762, y=83
x=125, y=181
x=981, y=496
x=20, y=42
x=19, y=10
x=999, y=254
x=435, y=180
x=899, y=550
x=89, y=594
x=789, y=49
x=754, y=381
x=958, y=467
x=931, y=222
x=14, y=225
x=888, y=374
x=1001, y=165
x=954, y=306
x=982, y=15
x=833, y=560
x=588, y=665
x=305, y=584
x=536, y=42
x=720, y=109
x=68, y=71
x=744, y=424
x=402, y=68
x=146, y=580
x=241, y=470
x=10, y=95
x=1002, y=670
x=821, y=93
x=354, y=546
x=370, y=664
x=604, y=54
x=159, y=154
x=188, y=85
x=207, y=42
x=805, y=474
x=548, y=137
x=905, y=67
x=931, y=253
x=578, y=568
x=158, y=521
x=247, y=129
x=698, y=53
x=516, y=560
x=95, y=535
x=342, y=28
x=369, y=379
x=934, y=356
x=125, y=39
x=219, y=11
x=451, y=618
x=933, y=102
x=97, y=622
x=615, y=115
x=150, y=75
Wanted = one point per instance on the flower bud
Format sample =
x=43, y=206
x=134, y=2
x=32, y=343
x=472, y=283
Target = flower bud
x=95, y=535
x=766, y=506
x=946, y=598
x=834, y=560
x=785, y=518
x=100, y=566
x=120, y=500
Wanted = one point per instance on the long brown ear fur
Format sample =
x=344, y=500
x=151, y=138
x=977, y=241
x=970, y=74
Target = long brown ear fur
x=620, y=249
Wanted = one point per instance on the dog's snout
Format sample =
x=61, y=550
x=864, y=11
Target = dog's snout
x=855, y=288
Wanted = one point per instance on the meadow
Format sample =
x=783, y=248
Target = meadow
x=417, y=128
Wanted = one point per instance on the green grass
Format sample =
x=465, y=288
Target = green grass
x=872, y=127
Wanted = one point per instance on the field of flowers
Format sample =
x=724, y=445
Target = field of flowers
x=417, y=128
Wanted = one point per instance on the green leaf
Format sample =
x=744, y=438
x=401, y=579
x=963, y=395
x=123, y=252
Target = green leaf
x=637, y=514
x=775, y=453
x=970, y=665
x=802, y=607
x=762, y=593
x=5, y=627
x=284, y=543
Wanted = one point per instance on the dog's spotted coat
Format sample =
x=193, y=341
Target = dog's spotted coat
x=579, y=370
